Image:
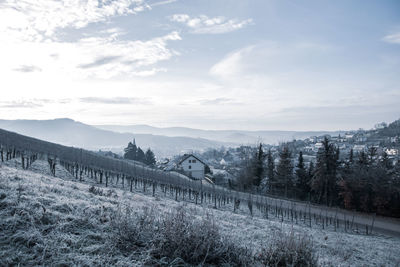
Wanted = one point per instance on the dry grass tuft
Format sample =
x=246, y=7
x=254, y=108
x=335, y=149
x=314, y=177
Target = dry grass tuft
x=289, y=250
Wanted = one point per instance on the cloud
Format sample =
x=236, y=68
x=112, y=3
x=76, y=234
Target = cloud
x=108, y=57
x=205, y=25
x=219, y=101
x=19, y=104
x=27, y=68
x=32, y=33
x=160, y=3
x=31, y=103
x=392, y=38
x=115, y=100
x=231, y=64
x=36, y=20
x=150, y=72
x=101, y=57
x=99, y=62
x=183, y=18
x=268, y=57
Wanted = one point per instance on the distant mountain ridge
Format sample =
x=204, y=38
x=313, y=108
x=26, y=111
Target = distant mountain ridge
x=163, y=141
x=72, y=133
x=231, y=136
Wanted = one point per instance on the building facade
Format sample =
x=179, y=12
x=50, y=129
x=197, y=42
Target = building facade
x=192, y=166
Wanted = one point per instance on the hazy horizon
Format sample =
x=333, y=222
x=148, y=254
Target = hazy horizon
x=194, y=128
x=243, y=65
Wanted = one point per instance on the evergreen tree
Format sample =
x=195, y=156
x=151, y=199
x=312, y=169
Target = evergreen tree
x=311, y=169
x=270, y=171
x=131, y=151
x=284, y=171
x=351, y=156
x=324, y=179
x=310, y=174
x=258, y=163
x=149, y=157
x=371, y=186
x=140, y=155
x=135, y=148
x=385, y=161
x=362, y=159
x=372, y=153
x=303, y=185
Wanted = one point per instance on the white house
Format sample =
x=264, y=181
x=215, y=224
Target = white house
x=192, y=166
x=317, y=146
x=361, y=139
x=392, y=152
x=359, y=148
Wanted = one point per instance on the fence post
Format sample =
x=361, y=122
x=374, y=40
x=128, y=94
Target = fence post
x=372, y=225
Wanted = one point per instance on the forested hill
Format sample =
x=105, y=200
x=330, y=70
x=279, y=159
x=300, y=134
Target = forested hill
x=72, y=133
x=392, y=130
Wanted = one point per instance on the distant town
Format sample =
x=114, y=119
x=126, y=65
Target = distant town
x=226, y=163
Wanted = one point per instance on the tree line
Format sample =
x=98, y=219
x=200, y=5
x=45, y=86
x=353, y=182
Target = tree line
x=365, y=181
x=133, y=152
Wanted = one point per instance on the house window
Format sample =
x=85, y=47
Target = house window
x=190, y=161
x=190, y=167
x=193, y=161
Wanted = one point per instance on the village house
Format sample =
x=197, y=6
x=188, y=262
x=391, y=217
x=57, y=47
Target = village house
x=392, y=152
x=361, y=139
x=192, y=166
x=359, y=148
x=317, y=146
x=349, y=136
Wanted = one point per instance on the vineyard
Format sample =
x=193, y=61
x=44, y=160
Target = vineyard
x=130, y=175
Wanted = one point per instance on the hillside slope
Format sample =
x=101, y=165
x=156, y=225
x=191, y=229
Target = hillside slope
x=392, y=130
x=52, y=221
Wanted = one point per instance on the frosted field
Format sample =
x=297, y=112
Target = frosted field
x=27, y=196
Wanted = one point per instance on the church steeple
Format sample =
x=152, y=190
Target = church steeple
x=134, y=142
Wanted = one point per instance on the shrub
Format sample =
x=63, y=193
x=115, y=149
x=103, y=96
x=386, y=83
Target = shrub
x=96, y=191
x=111, y=193
x=133, y=231
x=176, y=238
x=289, y=250
x=197, y=242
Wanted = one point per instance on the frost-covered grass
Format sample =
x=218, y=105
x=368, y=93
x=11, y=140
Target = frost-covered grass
x=52, y=221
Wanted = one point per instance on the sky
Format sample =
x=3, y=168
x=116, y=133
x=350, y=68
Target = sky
x=209, y=64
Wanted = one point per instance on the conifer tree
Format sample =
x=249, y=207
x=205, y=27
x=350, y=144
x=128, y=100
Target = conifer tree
x=351, y=156
x=385, y=161
x=302, y=178
x=284, y=171
x=270, y=171
x=140, y=155
x=310, y=174
x=372, y=153
x=258, y=163
x=131, y=151
x=149, y=157
x=324, y=179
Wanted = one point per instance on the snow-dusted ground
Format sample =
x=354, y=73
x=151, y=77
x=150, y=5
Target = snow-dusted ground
x=63, y=194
